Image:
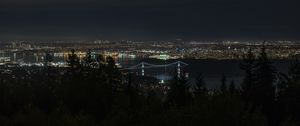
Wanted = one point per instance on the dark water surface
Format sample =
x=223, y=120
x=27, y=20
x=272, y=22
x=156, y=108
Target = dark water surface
x=212, y=70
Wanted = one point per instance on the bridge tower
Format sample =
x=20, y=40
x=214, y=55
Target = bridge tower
x=178, y=69
x=143, y=69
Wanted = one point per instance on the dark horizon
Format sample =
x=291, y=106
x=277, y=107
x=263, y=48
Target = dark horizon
x=150, y=19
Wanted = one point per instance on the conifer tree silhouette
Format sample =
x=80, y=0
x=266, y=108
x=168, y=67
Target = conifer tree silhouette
x=248, y=84
x=73, y=60
x=223, y=87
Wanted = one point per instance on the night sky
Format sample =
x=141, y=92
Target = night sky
x=150, y=19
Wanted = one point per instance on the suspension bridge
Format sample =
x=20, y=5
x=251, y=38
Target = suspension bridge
x=160, y=71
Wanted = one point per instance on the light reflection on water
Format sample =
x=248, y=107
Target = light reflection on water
x=212, y=70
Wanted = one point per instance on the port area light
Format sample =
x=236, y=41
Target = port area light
x=164, y=57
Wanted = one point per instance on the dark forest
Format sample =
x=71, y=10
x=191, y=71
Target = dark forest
x=96, y=93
